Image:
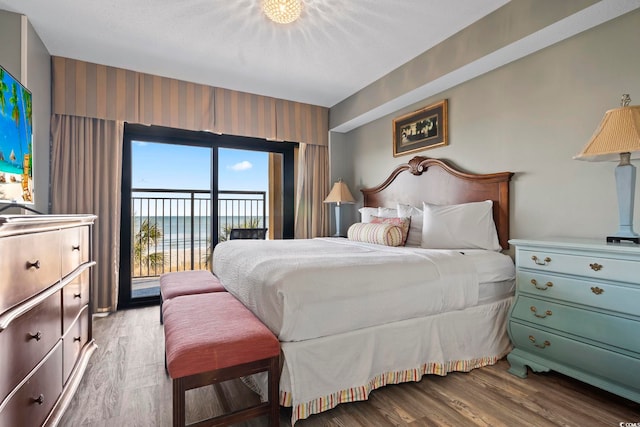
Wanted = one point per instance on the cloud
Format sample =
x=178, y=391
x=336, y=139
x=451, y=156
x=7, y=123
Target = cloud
x=242, y=166
x=140, y=143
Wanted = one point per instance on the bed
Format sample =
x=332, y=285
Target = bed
x=353, y=316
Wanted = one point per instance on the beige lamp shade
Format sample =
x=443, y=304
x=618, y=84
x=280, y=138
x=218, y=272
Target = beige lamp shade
x=340, y=194
x=619, y=132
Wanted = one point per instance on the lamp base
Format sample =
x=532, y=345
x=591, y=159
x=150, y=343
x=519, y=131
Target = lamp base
x=619, y=239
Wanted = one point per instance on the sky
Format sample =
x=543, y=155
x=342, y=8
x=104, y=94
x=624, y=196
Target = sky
x=157, y=165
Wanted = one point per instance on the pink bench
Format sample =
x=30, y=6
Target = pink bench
x=212, y=337
x=190, y=282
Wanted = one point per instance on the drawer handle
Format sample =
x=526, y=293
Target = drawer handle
x=39, y=400
x=79, y=295
x=596, y=290
x=548, y=285
x=75, y=247
x=545, y=261
x=541, y=316
x=543, y=345
x=35, y=265
x=595, y=266
x=76, y=339
x=37, y=336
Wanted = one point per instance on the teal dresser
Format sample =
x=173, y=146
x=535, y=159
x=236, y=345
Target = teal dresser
x=577, y=311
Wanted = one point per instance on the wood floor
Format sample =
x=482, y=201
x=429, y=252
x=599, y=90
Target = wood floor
x=126, y=385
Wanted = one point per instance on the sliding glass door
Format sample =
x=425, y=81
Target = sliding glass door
x=183, y=192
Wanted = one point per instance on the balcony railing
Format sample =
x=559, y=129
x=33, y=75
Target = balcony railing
x=171, y=229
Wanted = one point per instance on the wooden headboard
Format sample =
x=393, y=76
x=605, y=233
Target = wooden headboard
x=435, y=181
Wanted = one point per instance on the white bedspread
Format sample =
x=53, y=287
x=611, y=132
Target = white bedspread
x=304, y=289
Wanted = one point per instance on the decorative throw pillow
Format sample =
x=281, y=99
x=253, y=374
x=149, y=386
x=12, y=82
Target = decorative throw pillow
x=402, y=223
x=387, y=212
x=464, y=226
x=415, y=228
x=367, y=213
x=380, y=234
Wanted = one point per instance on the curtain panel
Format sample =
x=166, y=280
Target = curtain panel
x=311, y=218
x=86, y=173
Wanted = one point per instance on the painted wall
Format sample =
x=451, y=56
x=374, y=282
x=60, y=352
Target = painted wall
x=24, y=55
x=529, y=117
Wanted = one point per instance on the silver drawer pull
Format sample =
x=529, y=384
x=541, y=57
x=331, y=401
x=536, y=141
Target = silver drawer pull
x=39, y=400
x=35, y=264
x=37, y=336
x=75, y=248
x=595, y=266
x=547, y=285
x=541, y=316
x=537, y=260
x=596, y=290
x=543, y=345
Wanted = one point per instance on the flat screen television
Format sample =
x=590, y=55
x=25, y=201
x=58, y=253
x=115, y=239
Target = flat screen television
x=16, y=141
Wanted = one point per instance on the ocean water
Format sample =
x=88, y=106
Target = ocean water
x=177, y=232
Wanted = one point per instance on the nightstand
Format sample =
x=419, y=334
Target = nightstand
x=577, y=311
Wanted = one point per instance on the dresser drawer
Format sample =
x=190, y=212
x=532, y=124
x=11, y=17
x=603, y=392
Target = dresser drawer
x=612, y=330
x=75, y=296
x=29, y=264
x=73, y=341
x=74, y=248
x=33, y=401
x=597, y=267
x=592, y=361
x=602, y=295
x=27, y=340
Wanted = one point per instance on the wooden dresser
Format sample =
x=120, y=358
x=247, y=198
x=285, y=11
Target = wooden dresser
x=577, y=311
x=45, y=315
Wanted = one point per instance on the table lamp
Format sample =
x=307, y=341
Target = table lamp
x=618, y=137
x=339, y=194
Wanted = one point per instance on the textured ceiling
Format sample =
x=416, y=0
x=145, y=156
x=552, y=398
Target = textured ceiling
x=336, y=48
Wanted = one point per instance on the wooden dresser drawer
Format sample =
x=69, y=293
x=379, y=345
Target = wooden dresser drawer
x=27, y=340
x=583, y=361
x=612, y=330
x=74, y=248
x=29, y=264
x=603, y=295
x=31, y=403
x=592, y=266
x=73, y=341
x=75, y=296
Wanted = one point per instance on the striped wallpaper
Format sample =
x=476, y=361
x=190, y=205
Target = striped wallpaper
x=99, y=91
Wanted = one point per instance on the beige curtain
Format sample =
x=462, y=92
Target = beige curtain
x=312, y=187
x=86, y=172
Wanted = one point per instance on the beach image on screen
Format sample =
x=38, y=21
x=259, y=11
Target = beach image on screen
x=16, y=148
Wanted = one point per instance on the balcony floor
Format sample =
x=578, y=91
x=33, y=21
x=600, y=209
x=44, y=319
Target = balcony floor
x=145, y=286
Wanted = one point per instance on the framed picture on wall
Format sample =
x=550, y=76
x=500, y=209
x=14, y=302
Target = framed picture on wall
x=420, y=130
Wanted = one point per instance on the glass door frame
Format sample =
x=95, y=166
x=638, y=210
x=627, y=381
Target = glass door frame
x=159, y=134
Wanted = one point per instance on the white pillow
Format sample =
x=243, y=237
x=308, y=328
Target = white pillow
x=415, y=228
x=465, y=226
x=367, y=214
x=387, y=213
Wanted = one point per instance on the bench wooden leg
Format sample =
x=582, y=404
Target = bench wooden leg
x=179, y=412
x=274, y=387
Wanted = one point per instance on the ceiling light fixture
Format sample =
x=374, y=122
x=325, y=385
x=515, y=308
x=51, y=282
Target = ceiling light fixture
x=282, y=11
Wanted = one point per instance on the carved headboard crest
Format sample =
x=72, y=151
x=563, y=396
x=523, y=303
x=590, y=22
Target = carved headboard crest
x=415, y=167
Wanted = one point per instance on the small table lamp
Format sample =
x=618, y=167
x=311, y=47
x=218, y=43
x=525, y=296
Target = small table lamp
x=618, y=136
x=339, y=194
